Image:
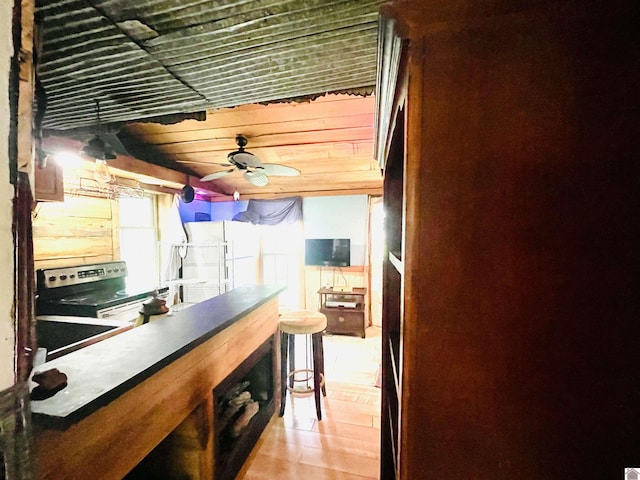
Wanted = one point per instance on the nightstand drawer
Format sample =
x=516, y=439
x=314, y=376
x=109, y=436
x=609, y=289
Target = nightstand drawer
x=344, y=320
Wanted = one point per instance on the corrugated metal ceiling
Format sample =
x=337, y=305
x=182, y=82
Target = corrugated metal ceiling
x=148, y=58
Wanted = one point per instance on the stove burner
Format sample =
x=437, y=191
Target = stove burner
x=96, y=298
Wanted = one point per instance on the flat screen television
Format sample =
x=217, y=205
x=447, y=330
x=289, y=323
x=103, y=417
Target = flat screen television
x=327, y=252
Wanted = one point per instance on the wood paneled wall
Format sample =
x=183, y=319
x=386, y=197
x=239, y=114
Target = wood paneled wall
x=80, y=230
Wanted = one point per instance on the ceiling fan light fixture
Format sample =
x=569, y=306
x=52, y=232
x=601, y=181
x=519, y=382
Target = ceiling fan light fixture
x=258, y=179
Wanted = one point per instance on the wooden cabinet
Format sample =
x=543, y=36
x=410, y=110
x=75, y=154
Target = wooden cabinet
x=49, y=184
x=344, y=310
x=391, y=154
x=392, y=305
x=505, y=327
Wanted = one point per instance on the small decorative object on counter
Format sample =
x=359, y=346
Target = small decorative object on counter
x=152, y=309
x=49, y=383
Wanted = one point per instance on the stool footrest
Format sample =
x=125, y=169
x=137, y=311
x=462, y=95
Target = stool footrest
x=302, y=390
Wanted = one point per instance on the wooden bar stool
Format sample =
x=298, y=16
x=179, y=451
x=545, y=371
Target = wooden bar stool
x=301, y=322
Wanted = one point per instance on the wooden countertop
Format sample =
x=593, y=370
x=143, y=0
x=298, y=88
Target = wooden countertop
x=102, y=372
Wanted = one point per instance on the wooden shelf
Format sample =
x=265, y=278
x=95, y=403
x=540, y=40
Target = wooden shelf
x=394, y=354
x=258, y=371
x=231, y=460
x=393, y=441
x=396, y=260
x=392, y=149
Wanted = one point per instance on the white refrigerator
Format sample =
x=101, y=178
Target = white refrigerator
x=219, y=257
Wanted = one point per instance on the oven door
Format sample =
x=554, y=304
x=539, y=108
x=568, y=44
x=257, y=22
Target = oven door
x=129, y=311
x=125, y=312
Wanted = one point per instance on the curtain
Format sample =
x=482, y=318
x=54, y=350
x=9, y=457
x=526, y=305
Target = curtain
x=272, y=212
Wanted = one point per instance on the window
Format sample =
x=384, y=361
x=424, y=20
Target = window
x=139, y=242
x=282, y=260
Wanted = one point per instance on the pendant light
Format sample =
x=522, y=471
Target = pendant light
x=96, y=147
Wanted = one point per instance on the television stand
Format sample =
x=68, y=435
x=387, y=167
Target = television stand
x=344, y=309
x=343, y=289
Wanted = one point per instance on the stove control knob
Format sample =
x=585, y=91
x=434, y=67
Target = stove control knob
x=72, y=276
x=63, y=277
x=52, y=278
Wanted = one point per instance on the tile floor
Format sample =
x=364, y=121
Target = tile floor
x=345, y=445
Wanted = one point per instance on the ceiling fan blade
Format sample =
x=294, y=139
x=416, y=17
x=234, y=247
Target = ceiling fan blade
x=279, y=170
x=195, y=162
x=245, y=159
x=213, y=176
x=256, y=178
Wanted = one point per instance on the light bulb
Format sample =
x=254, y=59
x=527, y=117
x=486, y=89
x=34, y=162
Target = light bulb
x=101, y=171
x=236, y=195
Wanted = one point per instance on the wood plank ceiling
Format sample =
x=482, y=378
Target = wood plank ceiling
x=330, y=140
x=295, y=77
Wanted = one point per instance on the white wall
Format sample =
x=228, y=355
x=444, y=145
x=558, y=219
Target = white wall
x=338, y=217
x=7, y=338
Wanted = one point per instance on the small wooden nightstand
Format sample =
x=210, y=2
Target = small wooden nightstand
x=344, y=309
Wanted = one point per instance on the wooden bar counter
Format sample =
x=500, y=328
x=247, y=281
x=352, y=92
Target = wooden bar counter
x=127, y=394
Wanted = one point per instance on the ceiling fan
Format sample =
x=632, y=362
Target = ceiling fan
x=255, y=172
